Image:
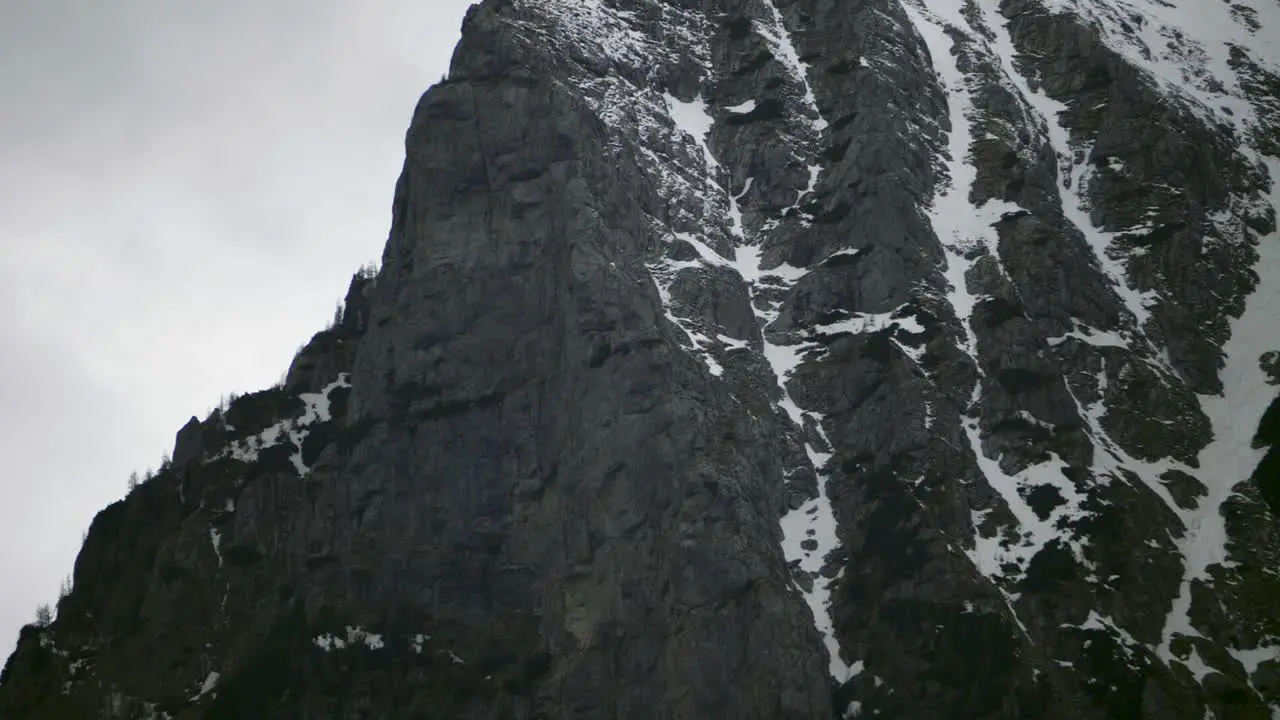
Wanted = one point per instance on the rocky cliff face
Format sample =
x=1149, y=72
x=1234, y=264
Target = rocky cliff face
x=754, y=359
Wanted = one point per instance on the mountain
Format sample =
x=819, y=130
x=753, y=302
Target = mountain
x=754, y=359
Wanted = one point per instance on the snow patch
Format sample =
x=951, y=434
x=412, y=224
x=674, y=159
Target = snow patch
x=1184, y=47
x=860, y=323
x=1196, y=664
x=1016, y=546
x=779, y=39
x=329, y=643
x=692, y=118
x=736, y=227
x=1133, y=649
x=967, y=233
x=210, y=683
x=814, y=521
x=1230, y=458
x=841, y=253
x=316, y=409
x=1033, y=420
x=1090, y=336
x=354, y=636
x=1074, y=170
x=708, y=256
x=215, y=538
x=1251, y=659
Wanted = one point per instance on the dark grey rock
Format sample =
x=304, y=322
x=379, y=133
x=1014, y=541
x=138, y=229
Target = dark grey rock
x=188, y=444
x=1185, y=489
x=557, y=452
x=1270, y=364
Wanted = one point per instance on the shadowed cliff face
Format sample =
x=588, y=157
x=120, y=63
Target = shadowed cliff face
x=753, y=359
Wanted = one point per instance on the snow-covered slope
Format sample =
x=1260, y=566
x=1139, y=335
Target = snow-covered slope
x=1140, y=420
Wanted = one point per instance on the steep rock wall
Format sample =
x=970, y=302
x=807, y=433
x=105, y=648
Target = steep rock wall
x=753, y=359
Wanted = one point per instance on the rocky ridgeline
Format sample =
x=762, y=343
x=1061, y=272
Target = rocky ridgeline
x=754, y=359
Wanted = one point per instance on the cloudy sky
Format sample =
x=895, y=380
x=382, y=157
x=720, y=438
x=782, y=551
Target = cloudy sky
x=185, y=189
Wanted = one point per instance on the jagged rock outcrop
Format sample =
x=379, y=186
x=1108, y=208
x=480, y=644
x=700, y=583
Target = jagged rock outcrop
x=754, y=359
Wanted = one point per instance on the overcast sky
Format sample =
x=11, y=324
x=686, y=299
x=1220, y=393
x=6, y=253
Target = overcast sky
x=185, y=190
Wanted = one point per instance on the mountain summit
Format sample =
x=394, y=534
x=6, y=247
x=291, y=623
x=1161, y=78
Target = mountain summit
x=758, y=360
